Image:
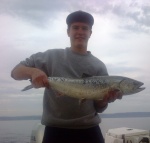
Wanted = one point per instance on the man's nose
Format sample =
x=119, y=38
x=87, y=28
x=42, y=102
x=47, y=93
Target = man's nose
x=80, y=31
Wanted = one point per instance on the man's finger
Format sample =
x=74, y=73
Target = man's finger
x=46, y=83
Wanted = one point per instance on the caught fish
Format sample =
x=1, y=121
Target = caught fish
x=94, y=87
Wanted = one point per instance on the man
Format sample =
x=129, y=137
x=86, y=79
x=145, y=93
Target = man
x=66, y=121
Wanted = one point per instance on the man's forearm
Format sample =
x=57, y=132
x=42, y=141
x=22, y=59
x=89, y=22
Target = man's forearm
x=21, y=72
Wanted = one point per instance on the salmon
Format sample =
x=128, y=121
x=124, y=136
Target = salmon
x=95, y=87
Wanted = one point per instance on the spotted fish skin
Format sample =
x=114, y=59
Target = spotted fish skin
x=95, y=87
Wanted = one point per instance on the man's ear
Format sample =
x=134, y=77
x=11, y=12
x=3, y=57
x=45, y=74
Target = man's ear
x=68, y=32
x=91, y=33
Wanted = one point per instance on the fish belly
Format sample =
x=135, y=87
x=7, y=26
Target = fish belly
x=80, y=91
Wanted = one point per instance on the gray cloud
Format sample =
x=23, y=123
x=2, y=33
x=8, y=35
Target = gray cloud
x=141, y=20
x=142, y=17
x=36, y=11
x=121, y=69
x=39, y=12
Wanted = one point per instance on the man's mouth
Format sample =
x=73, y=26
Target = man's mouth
x=80, y=38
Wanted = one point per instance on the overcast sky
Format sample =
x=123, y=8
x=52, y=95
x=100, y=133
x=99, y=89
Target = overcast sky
x=121, y=39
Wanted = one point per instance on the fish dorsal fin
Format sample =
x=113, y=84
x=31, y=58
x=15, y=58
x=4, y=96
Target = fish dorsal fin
x=84, y=75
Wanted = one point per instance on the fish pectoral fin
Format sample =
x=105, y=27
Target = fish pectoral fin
x=115, y=90
x=82, y=101
x=58, y=94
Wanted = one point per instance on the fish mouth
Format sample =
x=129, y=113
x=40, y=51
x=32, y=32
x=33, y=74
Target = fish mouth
x=139, y=87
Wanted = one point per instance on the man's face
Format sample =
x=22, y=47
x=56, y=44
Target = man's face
x=79, y=34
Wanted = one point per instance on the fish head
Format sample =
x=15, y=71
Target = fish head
x=130, y=86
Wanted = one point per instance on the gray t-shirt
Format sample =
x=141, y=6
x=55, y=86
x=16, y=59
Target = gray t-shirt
x=64, y=111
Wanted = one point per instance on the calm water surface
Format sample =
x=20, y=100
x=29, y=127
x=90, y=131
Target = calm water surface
x=16, y=131
x=20, y=131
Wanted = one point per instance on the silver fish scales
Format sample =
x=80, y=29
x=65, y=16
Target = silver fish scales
x=95, y=87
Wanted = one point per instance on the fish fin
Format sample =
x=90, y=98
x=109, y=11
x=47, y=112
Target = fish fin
x=27, y=87
x=114, y=89
x=82, y=101
x=58, y=94
x=84, y=75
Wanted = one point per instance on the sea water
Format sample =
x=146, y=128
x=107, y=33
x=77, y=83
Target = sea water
x=20, y=131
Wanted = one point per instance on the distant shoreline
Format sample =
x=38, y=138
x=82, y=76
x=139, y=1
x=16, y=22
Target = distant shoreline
x=126, y=115
x=14, y=118
x=102, y=115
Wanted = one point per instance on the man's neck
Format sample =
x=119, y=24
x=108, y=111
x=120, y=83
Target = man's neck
x=79, y=49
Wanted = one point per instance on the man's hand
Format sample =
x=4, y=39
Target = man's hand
x=39, y=79
x=37, y=76
x=112, y=95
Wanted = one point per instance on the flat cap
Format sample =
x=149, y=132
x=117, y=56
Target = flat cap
x=80, y=16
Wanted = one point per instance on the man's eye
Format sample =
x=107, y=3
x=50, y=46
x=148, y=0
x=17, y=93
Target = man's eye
x=75, y=28
x=85, y=28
